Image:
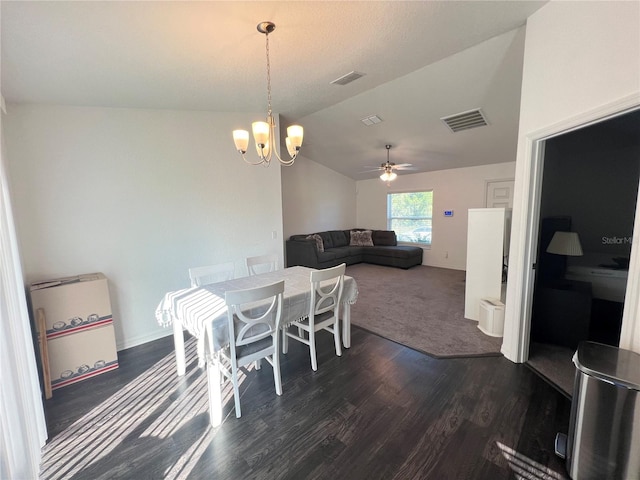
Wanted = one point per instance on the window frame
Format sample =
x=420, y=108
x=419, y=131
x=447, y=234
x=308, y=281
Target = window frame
x=430, y=218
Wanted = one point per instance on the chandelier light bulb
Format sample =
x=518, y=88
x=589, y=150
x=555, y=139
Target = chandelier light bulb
x=388, y=176
x=290, y=148
x=295, y=133
x=241, y=139
x=260, y=132
x=263, y=151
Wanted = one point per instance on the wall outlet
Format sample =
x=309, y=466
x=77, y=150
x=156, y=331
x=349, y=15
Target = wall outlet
x=274, y=235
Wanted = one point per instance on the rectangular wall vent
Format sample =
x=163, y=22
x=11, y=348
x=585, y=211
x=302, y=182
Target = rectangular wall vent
x=348, y=78
x=465, y=120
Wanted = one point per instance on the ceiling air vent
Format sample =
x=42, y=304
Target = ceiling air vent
x=465, y=120
x=348, y=78
x=371, y=120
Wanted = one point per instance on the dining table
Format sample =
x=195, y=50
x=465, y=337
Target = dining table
x=191, y=308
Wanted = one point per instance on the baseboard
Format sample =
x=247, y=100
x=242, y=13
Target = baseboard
x=142, y=339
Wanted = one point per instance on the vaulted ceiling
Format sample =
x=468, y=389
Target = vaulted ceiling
x=421, y=60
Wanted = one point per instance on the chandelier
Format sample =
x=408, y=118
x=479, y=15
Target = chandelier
x=264, y=132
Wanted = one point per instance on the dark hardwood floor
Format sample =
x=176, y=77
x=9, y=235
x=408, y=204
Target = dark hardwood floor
x=381, y=411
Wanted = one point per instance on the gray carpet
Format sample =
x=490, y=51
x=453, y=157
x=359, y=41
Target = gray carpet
x=555, y=364
x=422, y=308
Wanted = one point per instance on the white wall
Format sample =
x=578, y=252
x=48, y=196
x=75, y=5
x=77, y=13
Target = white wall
x=456, y=189
x=581, y=60
x=316, y=198
x=141, y=195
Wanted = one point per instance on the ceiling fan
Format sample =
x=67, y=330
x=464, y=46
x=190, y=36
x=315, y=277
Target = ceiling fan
x=388, y=168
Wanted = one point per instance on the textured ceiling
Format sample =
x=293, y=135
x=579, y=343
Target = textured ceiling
x=422, y=60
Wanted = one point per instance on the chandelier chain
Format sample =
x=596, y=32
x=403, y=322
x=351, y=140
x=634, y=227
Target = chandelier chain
x=268, y=78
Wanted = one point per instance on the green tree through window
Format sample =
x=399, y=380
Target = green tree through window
x=409, y=215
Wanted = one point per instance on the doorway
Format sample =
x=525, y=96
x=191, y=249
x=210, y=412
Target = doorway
x=590, y=184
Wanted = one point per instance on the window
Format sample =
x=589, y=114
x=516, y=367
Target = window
x=409, y=215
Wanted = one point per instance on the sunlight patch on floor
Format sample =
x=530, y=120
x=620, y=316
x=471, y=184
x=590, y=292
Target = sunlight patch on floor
x=525, y=468
x=155, y=405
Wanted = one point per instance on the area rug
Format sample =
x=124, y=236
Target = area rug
x=421, y=308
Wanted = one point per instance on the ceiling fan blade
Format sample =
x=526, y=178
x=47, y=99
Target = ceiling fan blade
x=402, y=165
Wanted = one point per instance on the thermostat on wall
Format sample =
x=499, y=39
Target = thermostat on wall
x=448, y=213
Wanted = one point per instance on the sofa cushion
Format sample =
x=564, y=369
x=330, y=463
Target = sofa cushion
x=400, y=251
x=384, y=238
x=338, y=238
x=318, y=239
x=299, y=238
x=326, y=256
x=326, y=240
x=361, y=238
x=342, y=252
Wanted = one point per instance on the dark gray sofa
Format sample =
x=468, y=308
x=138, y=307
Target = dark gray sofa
x=337, y=249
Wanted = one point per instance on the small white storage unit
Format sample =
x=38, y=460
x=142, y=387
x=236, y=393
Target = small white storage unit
x=487, y=246
x=491, y=317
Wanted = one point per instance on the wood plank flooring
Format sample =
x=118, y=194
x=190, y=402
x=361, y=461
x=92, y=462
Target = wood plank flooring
x=381, y=411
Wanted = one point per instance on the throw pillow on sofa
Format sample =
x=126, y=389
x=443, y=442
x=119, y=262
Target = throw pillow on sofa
x=318, y=240
x=385, y=238
x=361, y=238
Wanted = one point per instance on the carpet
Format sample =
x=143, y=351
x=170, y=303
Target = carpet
x=421, y=308
x=555, y=365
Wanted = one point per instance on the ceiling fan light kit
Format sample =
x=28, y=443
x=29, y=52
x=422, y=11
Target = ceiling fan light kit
x=388, y=175
x=264, y=132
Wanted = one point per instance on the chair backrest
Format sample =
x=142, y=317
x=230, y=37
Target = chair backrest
x=326, y=289
x=262, y=264
x=211, y=274
x=259, y=310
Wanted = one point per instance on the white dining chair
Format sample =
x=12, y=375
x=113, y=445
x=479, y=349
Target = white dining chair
x=324, y=311
x=253, y=335
x=262, y=264
x=211, y=274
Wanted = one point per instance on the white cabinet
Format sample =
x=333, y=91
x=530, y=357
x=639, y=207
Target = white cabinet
x=487, y=247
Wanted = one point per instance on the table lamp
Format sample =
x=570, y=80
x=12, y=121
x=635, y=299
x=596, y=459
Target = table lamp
x=567, y=244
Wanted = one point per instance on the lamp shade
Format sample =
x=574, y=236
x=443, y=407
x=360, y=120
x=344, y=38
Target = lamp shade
x=241, y=139
x=295, y=133
x=565, y=243
x=260, y=132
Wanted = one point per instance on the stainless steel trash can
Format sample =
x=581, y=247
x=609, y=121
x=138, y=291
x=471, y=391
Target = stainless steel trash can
x=604, y=427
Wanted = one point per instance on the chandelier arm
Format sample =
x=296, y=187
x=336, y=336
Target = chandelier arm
x=284, y=162
x=259, y=162
x=273, y=150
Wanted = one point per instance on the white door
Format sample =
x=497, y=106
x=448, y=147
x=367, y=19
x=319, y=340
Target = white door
x=499, y=194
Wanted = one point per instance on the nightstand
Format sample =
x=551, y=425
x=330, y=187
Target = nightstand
x=562, y=313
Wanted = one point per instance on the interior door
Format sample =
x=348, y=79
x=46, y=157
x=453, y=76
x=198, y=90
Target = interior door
x=499, y=194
